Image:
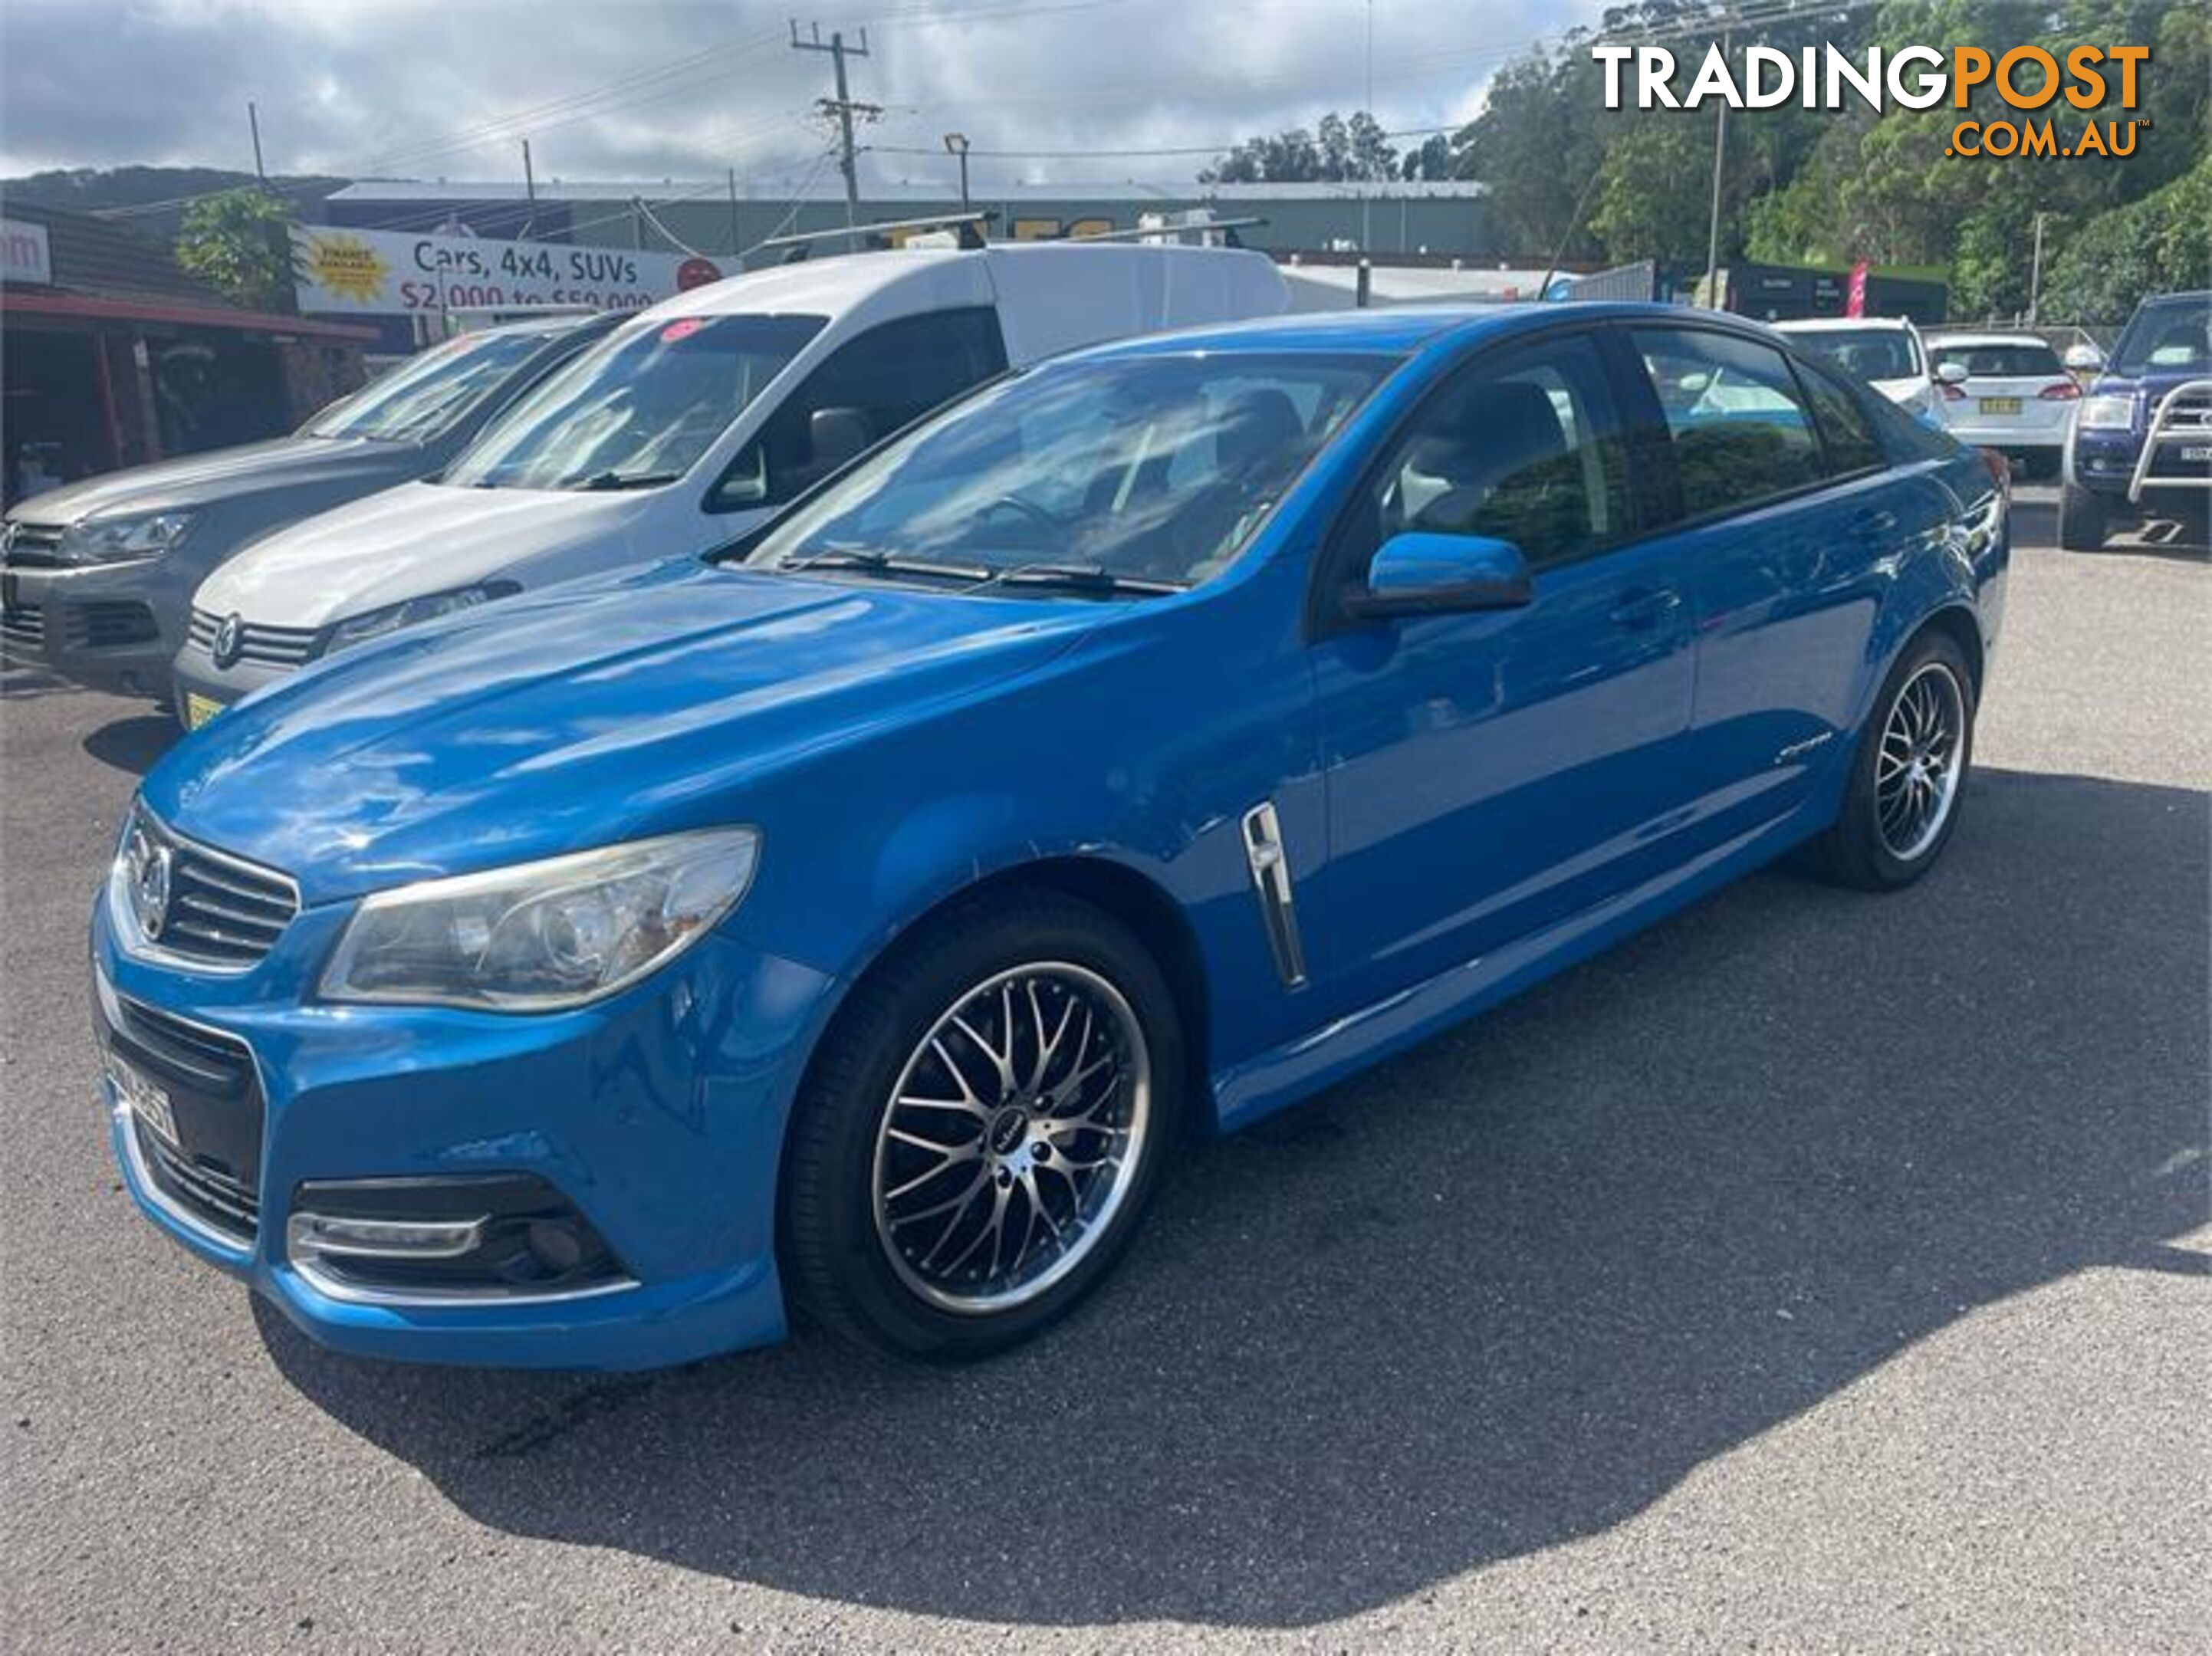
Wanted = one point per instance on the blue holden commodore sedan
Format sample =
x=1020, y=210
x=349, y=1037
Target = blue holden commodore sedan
x=859, y=919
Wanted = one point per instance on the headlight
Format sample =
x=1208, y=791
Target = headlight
x=120, y=539
x=2106, y=413
x=374, y=623
x=542, y=936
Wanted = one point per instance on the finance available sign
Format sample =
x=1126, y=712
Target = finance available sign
x=394, y=273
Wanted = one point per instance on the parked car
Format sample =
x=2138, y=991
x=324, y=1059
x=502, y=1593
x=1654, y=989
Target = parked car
x=2016, y=396
x=1884, y=352
x=1152, y=739
x=2143, y=433
x=690, y=426
x=98, y=576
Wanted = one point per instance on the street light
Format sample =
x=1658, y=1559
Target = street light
x=956, y=143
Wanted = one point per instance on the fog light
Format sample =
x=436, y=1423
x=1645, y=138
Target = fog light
x=556, y=1245
x=383, y=1239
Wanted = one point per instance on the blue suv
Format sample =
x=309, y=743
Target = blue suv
x=861, y=916
x=2142, y=434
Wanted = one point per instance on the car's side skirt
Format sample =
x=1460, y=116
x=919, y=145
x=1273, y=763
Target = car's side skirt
x=1299, y=1068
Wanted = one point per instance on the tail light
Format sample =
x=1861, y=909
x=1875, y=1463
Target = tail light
x=2064, y=391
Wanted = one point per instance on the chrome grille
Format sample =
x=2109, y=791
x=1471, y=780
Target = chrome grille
x=32, y=546
x=222, y=910
x=271, y=647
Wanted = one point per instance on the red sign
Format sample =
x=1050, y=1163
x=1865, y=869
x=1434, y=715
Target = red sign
x=696, y=273
x=1855, y=294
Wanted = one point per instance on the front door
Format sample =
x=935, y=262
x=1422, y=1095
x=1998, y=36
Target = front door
x=1490, y=773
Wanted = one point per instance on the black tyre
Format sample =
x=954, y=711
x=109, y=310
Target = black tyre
x=983, y=1129
x=1909, y=773
x=2083, y=519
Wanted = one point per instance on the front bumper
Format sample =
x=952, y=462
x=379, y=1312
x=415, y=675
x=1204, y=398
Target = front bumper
x=658, y=1115
x=202, y=687
x=111, y=627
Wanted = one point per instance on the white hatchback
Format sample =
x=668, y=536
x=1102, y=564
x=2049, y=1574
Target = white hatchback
x=2015, y=395
x=1883, y=353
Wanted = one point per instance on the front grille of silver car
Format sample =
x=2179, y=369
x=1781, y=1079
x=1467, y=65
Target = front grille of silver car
x=268, y=646
x=31, y=546
x=223, y=910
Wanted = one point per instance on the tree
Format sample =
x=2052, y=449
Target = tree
x=1345, y=148
x=2153, y=245
x=239, y=243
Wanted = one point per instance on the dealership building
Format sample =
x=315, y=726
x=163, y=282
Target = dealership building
x=720, y=218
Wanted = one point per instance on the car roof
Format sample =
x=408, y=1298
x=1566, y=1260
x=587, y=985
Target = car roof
x=840, y=282
x=1842, y=323
x=1972, y=339
x=1402, y=329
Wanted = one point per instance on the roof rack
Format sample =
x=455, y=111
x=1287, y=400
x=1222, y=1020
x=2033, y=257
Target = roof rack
x=801, y=243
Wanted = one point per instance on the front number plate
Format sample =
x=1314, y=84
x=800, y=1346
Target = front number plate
x=198, y=709
x=145, y=1099
x=2001, y=405
x=2196, y=455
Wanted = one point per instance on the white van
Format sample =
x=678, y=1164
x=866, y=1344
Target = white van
x=684, y=428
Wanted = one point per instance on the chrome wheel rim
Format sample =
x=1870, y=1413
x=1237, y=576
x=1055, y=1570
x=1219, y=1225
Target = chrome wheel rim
x=1918, y=770
x=1013, y=1135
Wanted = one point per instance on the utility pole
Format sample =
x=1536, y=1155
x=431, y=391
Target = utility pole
x=253, y=123
x=530, y=189
x=2035, y=271
x=736, y=246
x=1367, y=235
x=1713, y=225
x=841, y=105
x=957, y=143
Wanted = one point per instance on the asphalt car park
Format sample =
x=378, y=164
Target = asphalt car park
x=1813, y=1270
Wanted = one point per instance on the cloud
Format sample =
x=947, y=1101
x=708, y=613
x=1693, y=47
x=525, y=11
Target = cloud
x=645, y=90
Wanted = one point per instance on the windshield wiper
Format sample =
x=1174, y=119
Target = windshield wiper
x=1083, y=577
x=603, y=481
x=872, y=562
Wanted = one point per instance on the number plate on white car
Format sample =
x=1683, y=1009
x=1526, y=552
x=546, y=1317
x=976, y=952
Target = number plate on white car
x=145, y=1099
x=2001, y=405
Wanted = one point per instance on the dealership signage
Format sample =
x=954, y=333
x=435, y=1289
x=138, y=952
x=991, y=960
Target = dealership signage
x=394, y=273
x=25, y=255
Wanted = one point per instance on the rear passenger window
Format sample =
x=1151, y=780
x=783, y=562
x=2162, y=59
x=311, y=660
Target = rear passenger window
x=869, y=387
x=1847, y=440
x=1741, y=432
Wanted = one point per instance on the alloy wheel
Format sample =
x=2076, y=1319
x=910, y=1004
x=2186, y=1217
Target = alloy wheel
x=1013, y=1136
x=1918, y=770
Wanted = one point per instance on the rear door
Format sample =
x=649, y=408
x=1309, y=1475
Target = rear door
x=1788, y=517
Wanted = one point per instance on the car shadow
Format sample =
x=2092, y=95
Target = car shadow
x=134, y=743
x=2035, y=524
x=1499, y=1294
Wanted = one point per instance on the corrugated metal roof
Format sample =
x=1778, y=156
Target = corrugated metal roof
x=93, y=256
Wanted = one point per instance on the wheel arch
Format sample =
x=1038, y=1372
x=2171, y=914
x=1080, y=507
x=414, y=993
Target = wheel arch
x=1963, y=627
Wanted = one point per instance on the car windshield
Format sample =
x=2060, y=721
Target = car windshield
x=1151, y=470
x=2166, y=335
x=1867, y=353
x=420, y=397
x=637, y=411
x=2009, y=359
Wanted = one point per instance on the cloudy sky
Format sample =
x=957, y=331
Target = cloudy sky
x=648, y=89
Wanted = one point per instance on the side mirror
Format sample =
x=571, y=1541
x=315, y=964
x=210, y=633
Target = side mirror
x=1950, y=373
x=1419, y=573
x=837, y=435
x=2084, y=358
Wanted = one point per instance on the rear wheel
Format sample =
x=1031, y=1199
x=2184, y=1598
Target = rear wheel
x=2083, y=519
x=983, y=1129
x=1903, y=800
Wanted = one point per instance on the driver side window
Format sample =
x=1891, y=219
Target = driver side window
x=861, y=393
x=1524, y=447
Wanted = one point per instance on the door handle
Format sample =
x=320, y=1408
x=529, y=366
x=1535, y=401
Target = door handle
x=1873, y=525
x=1644, y=608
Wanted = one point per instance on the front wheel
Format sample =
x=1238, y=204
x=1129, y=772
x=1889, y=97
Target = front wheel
x=2083, y=520
x=980, y=1137
x=1902, y=802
